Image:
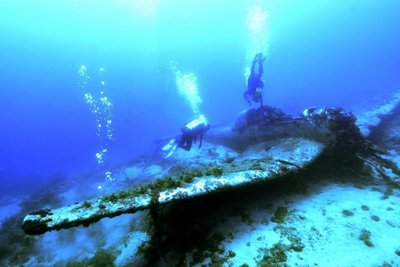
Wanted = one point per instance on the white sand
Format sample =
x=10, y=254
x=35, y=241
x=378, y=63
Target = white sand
x=329, y=237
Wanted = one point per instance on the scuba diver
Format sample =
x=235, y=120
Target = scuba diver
x=191, y=132
x=255, y=83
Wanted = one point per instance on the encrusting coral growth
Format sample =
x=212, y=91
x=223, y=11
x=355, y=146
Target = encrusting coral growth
x=178, y=202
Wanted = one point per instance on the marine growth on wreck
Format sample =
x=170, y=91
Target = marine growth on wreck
x=199, y=133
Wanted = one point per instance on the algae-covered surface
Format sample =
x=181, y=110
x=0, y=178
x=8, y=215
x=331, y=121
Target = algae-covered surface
x=286, y=202
x=258, y=163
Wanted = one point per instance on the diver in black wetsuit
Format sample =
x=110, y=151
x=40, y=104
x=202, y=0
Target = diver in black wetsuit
x=192, y=131
x=255, y=83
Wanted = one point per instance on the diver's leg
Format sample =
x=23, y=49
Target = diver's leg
x=182, y=141
x=185, y=142
x=260, y=66
x=185, y=146
x=253, y=66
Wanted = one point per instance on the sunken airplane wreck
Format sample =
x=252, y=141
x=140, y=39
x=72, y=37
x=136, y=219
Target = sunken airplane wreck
x=265, y=144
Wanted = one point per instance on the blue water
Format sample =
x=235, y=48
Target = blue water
x=320, y=53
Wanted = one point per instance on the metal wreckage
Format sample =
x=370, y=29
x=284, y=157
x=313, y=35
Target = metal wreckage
x=268, y=143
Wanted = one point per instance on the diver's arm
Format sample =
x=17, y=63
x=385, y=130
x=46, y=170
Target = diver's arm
x=201, y=140
x=247, y=97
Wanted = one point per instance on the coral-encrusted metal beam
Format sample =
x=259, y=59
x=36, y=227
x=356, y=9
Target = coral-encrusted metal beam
x=288, y=155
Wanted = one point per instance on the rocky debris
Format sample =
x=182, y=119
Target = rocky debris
x=386, y=136
x=376, y=111
x=380, y=122
x=387, y=133
x=343, y=135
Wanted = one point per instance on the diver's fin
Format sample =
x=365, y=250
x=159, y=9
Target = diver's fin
x=171, y=151
x=169, y=145
x=259, y=57
x=169, y=148
x=165, y=139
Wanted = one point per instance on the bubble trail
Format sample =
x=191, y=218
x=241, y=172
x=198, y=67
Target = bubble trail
x=187, y=87
x=258, y=33
x=102, y=110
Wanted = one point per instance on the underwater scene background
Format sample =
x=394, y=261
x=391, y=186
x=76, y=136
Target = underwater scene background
x=88, y=86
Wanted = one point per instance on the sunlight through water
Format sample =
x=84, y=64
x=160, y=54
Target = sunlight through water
x=143, y=9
